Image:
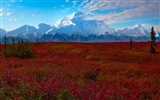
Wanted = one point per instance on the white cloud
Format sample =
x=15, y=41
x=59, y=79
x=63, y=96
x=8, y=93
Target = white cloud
x=12, y=19
x=150, y=9
x=94, y=5
x=2, y=11
x=157, y=28
x=84, y=2
x=148, y=26
x=74, y=2
x=8, y=13
x=66, y=10
x=1, y=14
x=7, y=10
x=67, y=1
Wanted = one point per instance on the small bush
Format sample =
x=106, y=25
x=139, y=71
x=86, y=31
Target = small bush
x=92, y=74
x=152, y=50
x=64, y=95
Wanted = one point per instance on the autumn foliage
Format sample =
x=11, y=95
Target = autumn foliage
x=82, y=71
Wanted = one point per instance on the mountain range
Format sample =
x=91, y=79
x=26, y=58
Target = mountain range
x=78, y=27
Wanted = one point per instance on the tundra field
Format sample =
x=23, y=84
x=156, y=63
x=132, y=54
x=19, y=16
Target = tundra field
x=82, y=71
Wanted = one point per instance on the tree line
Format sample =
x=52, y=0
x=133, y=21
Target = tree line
x=20, y=49
x=23, y=49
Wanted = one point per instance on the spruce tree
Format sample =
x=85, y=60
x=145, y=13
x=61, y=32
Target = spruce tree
x=13, y=40
x=37, y=40
x=13, y=47
x=130, y=43
x=22, y=49
x=153, y=41
x=5, y=46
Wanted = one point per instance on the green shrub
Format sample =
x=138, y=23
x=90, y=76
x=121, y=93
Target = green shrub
x=152, y=50
x=21, y=49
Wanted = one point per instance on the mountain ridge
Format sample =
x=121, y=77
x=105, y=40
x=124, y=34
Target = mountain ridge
x=78, y=27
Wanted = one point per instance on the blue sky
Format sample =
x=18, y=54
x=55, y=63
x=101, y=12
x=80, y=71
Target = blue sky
x=116, y=13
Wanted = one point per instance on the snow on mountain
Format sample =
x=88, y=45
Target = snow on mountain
x=80, y=23
x=136, y=31
x=80, y=27
x=2, y=31
x=23, y=32
x=66, y=21
x=30, y=32
x=148, y=28
x=43, y=28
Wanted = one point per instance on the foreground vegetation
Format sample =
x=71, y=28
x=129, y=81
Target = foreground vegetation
x=82, y=71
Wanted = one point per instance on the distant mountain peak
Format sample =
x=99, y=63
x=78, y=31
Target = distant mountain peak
x=136, y=31
x=43, y=25
x=138, y=25
x=26, y=26
x=70, y=19
x=78, y=14
x=79, y=23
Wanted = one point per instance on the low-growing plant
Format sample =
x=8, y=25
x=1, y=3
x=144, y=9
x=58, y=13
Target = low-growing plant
x=92, y=74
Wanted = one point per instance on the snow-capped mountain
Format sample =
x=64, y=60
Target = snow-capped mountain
x=25, y=31
x=79, y=27
x=29, y=32
x=43, y=28
x=136, y=31
x=80, y=23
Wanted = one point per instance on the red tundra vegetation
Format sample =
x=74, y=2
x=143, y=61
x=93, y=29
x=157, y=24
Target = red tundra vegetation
x=82, y=71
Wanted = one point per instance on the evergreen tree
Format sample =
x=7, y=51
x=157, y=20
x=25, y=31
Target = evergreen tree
x=13, y=40
x=13, y=46
x=5, y=46
x=130, y=43
x=21, y=50
x=37, y=40
x=153, y=41
x=29, y=51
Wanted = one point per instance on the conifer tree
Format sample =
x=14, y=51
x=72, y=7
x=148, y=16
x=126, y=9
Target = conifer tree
x=131, y=42
x=153, y=41
x=22, y=49
x=5, y=46
x=37, y=40
x=13, y=46
x=29, y=51
x=13, y=40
